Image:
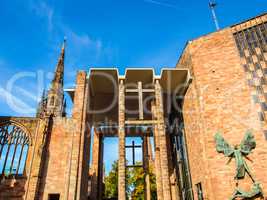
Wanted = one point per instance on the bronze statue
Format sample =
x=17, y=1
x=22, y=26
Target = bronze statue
x=240, y=153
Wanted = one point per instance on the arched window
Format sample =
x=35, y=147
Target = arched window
x=14, y=145
x=52, y=101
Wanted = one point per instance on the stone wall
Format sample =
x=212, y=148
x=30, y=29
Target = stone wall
x=58, y=158
x=56, y=169
x=219, y=99
x=67, y=166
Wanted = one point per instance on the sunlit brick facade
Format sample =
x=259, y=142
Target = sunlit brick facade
x=218, y=85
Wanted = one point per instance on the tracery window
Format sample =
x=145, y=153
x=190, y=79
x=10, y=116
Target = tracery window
x=14, y=145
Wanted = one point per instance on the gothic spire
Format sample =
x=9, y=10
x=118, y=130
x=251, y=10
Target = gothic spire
x=55, y=97
x=59, y=73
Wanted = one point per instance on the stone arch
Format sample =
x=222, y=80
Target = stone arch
x=15, y=140
x=20, y=125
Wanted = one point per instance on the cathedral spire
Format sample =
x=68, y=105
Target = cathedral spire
x=56, y=94
x=59, y=73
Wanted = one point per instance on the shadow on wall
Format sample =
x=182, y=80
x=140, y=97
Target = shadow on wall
x=45, y=154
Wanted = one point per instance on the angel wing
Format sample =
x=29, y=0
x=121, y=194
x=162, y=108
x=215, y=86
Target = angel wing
x=248, y=143
x=222, y=146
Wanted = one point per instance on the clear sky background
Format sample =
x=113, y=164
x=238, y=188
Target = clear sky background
x=100, y=33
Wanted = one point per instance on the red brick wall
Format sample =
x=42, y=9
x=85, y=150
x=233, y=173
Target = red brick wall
x=56, y=170
x=66, y=165
x=219, y=99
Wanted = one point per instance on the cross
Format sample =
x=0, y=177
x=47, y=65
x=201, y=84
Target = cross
x=133, y=147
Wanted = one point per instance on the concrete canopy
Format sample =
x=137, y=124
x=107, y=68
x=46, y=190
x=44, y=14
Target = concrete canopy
x=71, y=92
x=103, y=85
x=135, y=75
x=174, y=80
x=103, y=81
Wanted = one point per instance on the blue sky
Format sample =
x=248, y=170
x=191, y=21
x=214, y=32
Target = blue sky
x=100, y=33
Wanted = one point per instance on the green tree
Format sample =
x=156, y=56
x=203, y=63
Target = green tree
x=135, y=183
x=111, y=182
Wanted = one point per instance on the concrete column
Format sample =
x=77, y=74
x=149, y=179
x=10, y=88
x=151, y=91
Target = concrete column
x=122, y=159
x=157, y=157
x=146, y=168
x=96, y=168
x=160, y=126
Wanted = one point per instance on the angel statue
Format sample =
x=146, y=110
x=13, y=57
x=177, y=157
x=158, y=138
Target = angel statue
x=239, y=153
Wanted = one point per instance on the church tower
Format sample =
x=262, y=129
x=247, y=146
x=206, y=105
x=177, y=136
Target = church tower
x=55, y=97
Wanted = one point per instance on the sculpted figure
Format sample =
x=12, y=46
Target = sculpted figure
x=238, y=152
